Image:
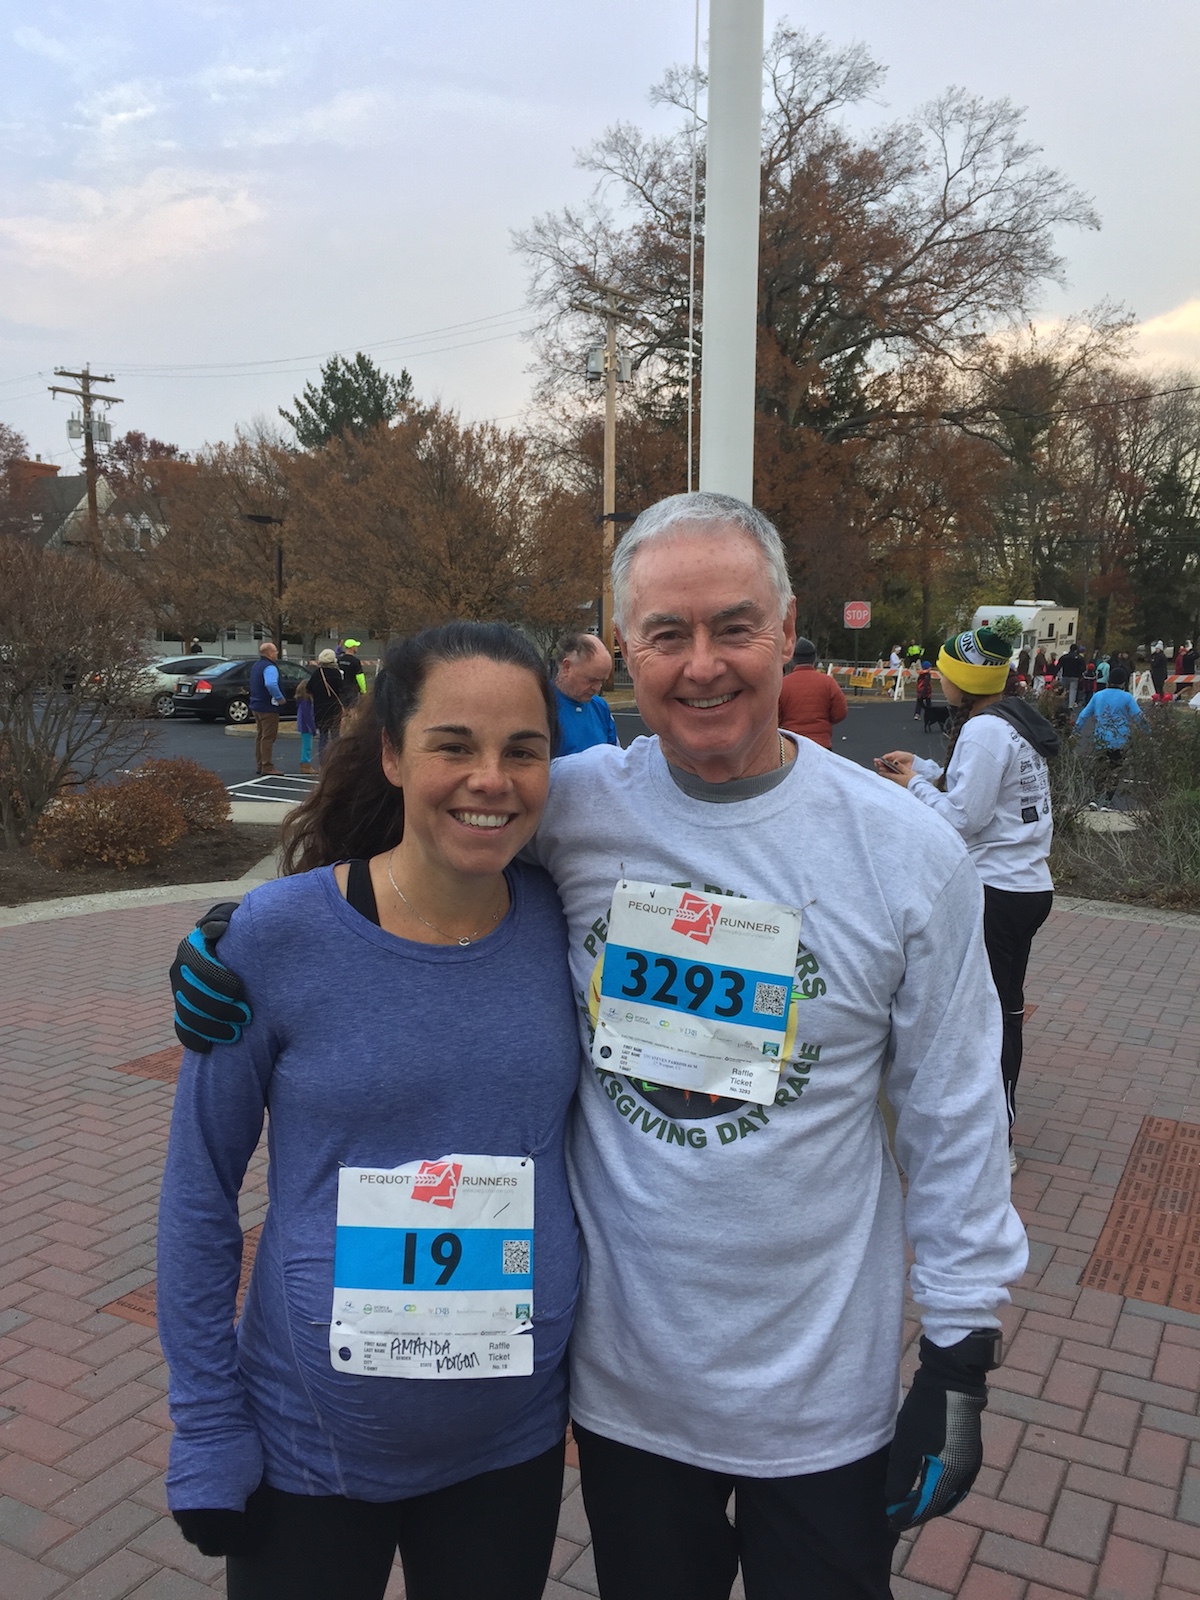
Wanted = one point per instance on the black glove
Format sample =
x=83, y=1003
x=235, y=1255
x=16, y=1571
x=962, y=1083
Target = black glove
x=220, y=1533
x=938, y=1447
x=210, y=1001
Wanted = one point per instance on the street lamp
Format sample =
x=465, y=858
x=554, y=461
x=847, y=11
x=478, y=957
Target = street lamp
x=266, y=521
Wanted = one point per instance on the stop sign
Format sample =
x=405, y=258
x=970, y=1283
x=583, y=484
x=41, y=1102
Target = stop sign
x=856, y=614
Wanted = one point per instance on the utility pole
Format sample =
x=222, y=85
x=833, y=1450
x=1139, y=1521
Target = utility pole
x=265, y=521
x=611, y=298
x=86, y=398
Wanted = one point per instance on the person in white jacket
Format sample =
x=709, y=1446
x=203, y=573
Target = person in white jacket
x=994, y=790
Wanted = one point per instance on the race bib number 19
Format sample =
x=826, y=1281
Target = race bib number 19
x=696, y=990
x=433, y=1269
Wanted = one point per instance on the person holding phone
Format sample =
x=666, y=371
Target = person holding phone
x=994, y=790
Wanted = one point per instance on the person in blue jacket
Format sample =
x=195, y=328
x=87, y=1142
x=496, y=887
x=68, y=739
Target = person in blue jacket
x=397, y=1379
x=584, y=667
x=1111, y=716
x=266, y=698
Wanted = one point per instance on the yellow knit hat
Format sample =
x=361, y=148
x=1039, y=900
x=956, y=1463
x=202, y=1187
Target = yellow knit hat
x=977, y=663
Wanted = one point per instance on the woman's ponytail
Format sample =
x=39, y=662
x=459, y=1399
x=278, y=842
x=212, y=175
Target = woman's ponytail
x=354, y=810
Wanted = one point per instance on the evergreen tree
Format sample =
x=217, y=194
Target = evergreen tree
x=354, y=397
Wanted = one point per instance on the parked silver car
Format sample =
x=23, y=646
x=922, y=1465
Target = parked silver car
x=159, y=680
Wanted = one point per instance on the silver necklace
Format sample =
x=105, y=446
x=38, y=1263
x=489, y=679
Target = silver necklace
x=466, y=938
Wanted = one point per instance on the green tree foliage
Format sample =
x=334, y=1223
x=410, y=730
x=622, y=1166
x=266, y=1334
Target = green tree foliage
x=1165, y=565
x=353, y=397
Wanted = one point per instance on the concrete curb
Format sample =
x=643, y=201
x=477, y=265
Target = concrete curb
x=261, y=811
x=1122, y=911
x=82, y=905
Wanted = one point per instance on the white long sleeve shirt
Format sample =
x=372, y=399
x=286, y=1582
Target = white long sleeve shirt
x=744, y=1264
x=997, y=798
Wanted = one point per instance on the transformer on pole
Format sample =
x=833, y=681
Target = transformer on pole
x=731, y=222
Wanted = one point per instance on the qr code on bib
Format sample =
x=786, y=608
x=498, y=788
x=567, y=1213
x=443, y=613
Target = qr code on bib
x=770, y=999
x=515, y=1256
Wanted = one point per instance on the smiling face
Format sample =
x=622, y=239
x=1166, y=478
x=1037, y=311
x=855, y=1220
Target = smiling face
x=706, y=647
x=474, y=767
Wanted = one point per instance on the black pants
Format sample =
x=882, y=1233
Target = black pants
x=1010, y=920
x=490, y=1536
x=660, y=1529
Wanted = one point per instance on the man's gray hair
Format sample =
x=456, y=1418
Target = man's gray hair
x=701, y=509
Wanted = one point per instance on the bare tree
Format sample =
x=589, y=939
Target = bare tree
x=69, y=663
x=910, y=242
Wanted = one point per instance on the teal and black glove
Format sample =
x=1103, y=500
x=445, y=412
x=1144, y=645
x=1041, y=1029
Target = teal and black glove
x=938, y=1448
x=210, y=1001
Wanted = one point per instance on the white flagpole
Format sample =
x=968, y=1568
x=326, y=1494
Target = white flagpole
x=729, y=320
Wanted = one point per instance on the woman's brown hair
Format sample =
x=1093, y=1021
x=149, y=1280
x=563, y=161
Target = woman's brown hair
x=354, y=811
x=959, y=717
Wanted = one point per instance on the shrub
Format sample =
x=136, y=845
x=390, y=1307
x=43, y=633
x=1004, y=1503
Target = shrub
x=125, y=824
x=199, y=793
x=67, y=677
x=1159, y=859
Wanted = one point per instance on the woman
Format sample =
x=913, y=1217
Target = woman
x=414, y=1043
x=995, y=790
x=327, y=689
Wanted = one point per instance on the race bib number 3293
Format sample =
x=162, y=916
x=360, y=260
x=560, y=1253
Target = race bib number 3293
x=696, y=990
x=433, y=1269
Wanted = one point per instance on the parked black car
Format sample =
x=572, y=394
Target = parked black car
x=224, y=691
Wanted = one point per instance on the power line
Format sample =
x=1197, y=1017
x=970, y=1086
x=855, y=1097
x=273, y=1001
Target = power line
x=265, y=365
x=1096, y=405
x=283, y=372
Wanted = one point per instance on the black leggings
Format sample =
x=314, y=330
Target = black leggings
x=660, y=1529
x=1010, y=920
x=491, y=1535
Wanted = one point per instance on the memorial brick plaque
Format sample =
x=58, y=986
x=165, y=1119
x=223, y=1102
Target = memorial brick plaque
x=139, y=1305
x=1149, y=1247
x=163, y=1065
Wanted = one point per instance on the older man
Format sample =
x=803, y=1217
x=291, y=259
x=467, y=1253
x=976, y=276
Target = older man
x=584, y=667
x=761, y=935
x=266, y=697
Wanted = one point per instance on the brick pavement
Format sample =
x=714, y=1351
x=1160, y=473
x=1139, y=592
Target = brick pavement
x=1091, y=1486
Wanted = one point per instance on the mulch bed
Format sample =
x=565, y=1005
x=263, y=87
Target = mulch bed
x=197, y=858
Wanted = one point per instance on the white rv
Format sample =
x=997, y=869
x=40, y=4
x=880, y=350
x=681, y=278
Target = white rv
x=1044, y=624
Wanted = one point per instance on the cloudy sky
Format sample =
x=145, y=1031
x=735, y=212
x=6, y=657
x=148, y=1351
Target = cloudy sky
x=205, y=199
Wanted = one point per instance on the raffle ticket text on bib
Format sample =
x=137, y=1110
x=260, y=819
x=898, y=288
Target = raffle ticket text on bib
x=433, y=1269
x=696, y=990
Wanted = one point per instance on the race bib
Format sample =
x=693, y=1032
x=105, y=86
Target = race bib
x=696, y=990
x=433, y=1269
